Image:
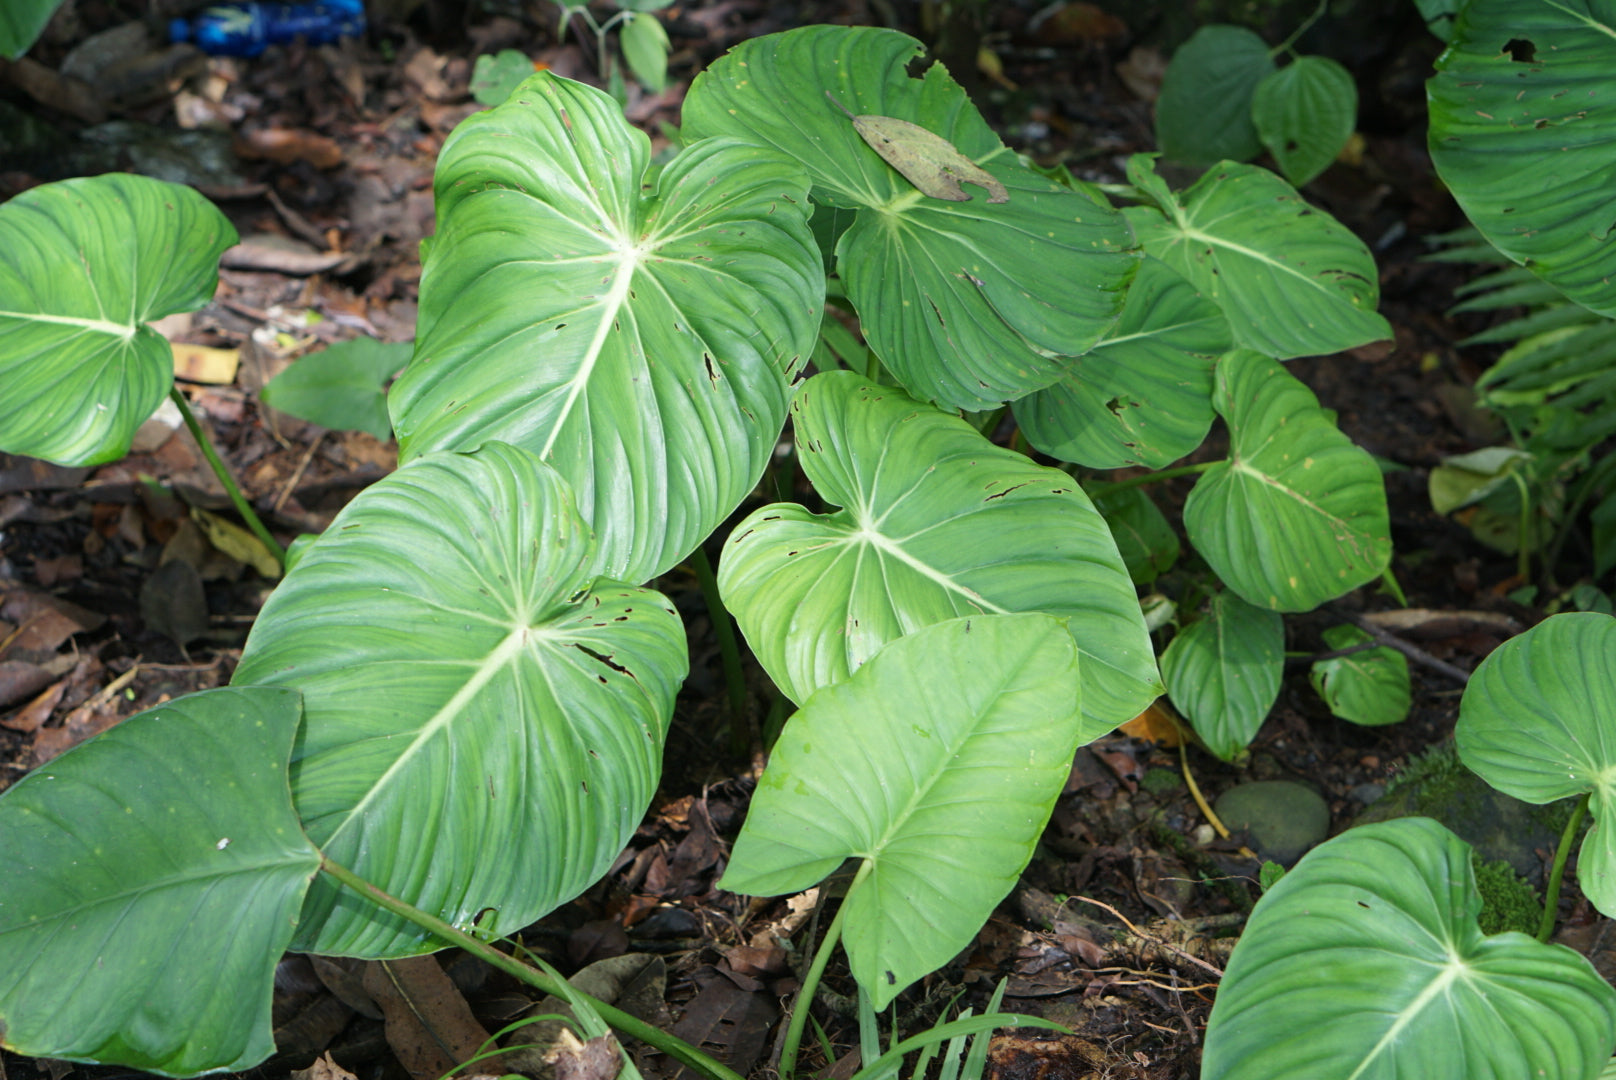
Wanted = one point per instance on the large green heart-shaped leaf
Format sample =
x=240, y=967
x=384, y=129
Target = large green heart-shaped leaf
x=152, y=880
x=963, y=301
x=483, y=727
x=1223, y=672
x=1365, y=961
x=642, y=345
x=937, y=763
x=1204, y=112
x=1369, y=687
x=1523, y=132
x=1305, y=113
x=1297, y=515
x=1538, y=721
x=1292, y=280
x=937, y=522
x=1143, y=396
x=84, y=265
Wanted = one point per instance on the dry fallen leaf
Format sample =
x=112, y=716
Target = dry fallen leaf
x=237, y=543
x=323, y=1069
x=926, y=160
x=597, y=1059
x=1156, y=724
x=200, y=364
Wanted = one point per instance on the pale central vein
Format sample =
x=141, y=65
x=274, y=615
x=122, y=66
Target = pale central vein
x=886, y=546
x=1191, y=233
x=514, y=644
x=1438, y=987
x=100, y=326
x=609, y=308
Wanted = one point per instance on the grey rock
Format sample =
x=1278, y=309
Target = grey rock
x=1283, y=818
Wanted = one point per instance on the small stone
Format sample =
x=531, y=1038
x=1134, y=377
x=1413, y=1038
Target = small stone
x=1203, y=835
x=1283, y=818
x=1367, y=793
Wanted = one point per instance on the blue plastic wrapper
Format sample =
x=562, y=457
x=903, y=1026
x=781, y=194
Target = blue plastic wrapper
x=247, y=29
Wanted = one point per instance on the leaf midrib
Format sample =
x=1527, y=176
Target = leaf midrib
x=1438, y=987
x=126, y=331
x=514, y=645
x=628, y=262
x=1191, y=233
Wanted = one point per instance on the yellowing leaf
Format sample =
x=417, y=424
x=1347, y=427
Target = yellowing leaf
x=200, y=364
x=237, y=543
x=926, y=160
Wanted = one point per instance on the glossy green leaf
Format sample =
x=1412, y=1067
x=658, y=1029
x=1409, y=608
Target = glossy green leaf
x=1370, y=687
x=342, y=387
x=1538, y=721
x=1524, y=92
x=1203, y=115
x=1297, y=515
x=1223, y=672
x=483, y=725
x=1438, y=15
x=937, y=522
x=84, y=266
x=1365, y=961
x=1143, y=396
x=1145, y=540
x=645, y=48
x=21, y=23
x=1468, y=478
x=936, y=764
x=1292, y=280
x=957, y=298
x=497, y=74
x=152, y=881
x=641, y=344
x=1305, y=113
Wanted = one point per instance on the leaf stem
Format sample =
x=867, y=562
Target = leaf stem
x=810, y=981
x=1307, y=24
x=671, y=1045
x=1096, y=490
x=728, y=649
x=1551, y=892
x=243, y=507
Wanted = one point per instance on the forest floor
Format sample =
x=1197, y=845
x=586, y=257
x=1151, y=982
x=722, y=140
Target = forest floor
x=323, y=158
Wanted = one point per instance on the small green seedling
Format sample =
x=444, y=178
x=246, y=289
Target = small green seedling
x=1222, y=97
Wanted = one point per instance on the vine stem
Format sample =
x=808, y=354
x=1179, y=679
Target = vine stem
x=243, y=507
x=671, y=1045
x=810, y=981
x=1096, y=490
x=728, y=649
x=1307, y=24
x=1551, y=892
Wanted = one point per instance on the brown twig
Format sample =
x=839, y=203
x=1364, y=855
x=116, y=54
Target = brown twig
x=1153, y=941
x=297, y=474
x=1413, y=652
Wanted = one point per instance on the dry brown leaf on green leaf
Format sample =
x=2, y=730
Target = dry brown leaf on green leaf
x=926, y=160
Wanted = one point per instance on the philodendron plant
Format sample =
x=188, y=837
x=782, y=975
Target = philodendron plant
x=457, y=700
x=1366, y=959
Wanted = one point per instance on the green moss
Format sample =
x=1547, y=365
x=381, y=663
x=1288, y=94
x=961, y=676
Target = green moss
x=1161, y=781
x=1436, y=771
x=1507, y=901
